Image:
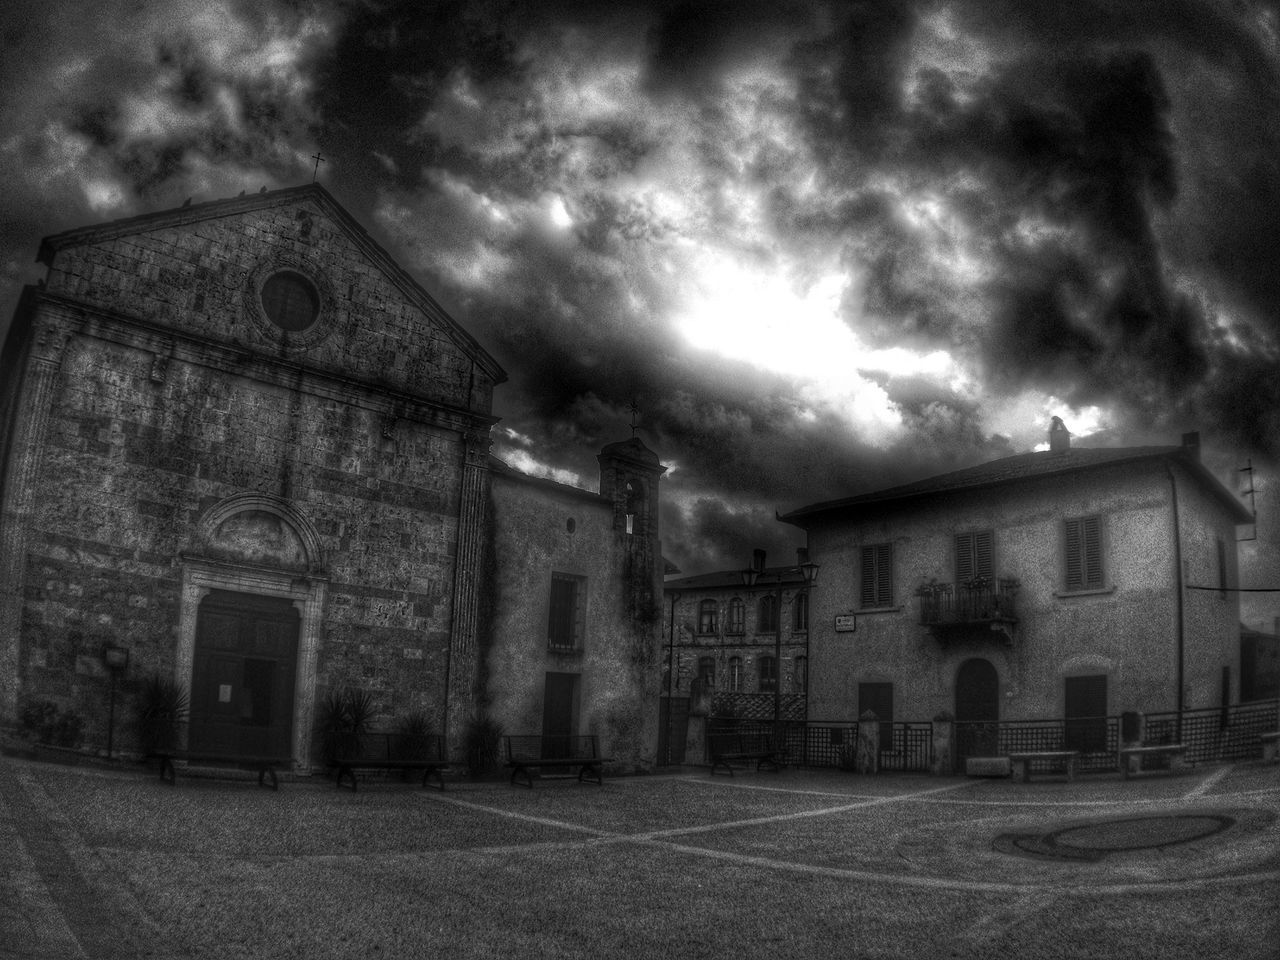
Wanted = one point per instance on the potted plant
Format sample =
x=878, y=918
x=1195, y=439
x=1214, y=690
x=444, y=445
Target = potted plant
x=161, y=710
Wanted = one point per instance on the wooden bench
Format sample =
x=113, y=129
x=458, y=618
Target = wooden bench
x=1270, y=746
x=527, y=753
x=266, y=766
x=389, y=751
x=1022, y=762
x=730, y=747
x=1173, y=751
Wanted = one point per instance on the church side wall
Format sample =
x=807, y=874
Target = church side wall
x=616, y=664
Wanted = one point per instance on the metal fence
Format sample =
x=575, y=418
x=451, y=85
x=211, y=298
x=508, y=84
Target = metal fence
x=757, y=706
x=1096, y=738
x=1216, y=734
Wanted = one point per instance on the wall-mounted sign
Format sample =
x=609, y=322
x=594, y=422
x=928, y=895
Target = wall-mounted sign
x=846, y=623
x=224, y=693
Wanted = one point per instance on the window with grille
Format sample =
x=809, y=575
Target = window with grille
x=768, y=674
x=737, y=615
x=800, y=622
x=290, y=301
x=975, y=556
x=1083, y=560
x=707, y=672
x=565, y=620
x=707, y=616
x=877, y=575
x=735, y=674
x=767, y=615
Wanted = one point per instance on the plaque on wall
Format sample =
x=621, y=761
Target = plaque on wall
x=846, y=623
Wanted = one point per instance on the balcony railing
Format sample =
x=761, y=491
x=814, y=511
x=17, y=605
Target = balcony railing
x=984, y=600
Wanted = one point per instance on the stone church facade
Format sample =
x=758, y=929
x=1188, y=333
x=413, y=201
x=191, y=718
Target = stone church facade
x=243, y=444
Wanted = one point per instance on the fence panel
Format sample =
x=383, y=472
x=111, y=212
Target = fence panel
x=912, y=747
x=1096, y=738
x=1215, y=734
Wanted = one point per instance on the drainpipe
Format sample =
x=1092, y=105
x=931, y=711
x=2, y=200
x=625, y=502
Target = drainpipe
x=1177, y=581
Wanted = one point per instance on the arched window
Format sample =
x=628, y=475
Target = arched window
x=707, y=616
x=737, y=615
x=767, y=615
x=735, y=674
x=767, y=680
x=801, y=608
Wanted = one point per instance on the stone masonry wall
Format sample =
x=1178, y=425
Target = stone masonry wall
x=618, y=662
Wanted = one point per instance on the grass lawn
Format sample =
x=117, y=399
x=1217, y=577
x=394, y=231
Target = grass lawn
x=792, y=865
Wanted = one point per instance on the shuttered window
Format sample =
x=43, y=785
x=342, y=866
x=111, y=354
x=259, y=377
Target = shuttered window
x=1083, y=538
x=877, y=575
x=974, y=555
x=564, y=621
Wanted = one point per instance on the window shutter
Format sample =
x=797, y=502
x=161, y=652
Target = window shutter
x=1092, y=552
x=1075, y=569
x=983, y=554
x=964, y=557
x=1083, y=538
x=884, y=575
x=868, y=576
x=877, y=575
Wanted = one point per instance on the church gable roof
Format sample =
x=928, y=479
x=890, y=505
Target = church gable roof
x=257, y=216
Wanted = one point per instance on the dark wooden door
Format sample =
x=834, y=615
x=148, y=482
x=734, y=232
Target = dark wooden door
x=559, y=713
x=1085, y=707
x=242, y=679
x=977, y=709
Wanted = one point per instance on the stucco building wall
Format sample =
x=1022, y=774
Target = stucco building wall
x=1127, y=630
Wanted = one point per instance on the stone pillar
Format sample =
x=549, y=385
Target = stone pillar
x=1132, y=729
x=32, y=408
x=695, y=742
x=943, y=763
x=460, y=685
x=868, y=743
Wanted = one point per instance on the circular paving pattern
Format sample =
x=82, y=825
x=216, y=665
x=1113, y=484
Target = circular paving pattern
x=1095, y=840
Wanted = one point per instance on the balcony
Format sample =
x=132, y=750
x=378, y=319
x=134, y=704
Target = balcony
x=983, y=603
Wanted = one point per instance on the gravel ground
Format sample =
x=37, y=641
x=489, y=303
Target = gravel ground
x=111, y=863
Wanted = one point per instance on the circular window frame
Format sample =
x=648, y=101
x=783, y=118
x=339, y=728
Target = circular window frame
x=290, y=340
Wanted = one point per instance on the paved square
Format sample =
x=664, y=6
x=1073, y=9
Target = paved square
x=799, y=864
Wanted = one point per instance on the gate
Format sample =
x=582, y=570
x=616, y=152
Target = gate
x=673, y=730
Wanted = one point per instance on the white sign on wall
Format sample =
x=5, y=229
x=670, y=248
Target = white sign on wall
x=846, y=623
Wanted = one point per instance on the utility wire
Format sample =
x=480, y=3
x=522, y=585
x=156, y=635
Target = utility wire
x=1238, y=589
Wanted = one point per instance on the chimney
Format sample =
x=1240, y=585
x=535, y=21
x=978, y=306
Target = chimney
x=1191, y=444
x=1059, y=436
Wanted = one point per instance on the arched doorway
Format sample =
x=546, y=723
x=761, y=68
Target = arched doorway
x=977, y=709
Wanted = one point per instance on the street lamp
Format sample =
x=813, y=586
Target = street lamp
x=750, y=577
x=116, y=659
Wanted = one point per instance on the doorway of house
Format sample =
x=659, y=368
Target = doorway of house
x=1085, y=707
x=242, y=677
x=977, y=709
x=559, y=714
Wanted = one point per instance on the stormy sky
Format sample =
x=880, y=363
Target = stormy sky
x=824, y=247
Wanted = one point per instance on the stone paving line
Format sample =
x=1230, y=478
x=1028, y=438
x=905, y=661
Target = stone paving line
x=662, y=839
x=63, y=912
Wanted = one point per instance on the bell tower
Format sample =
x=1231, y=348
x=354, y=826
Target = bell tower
x=629, y=475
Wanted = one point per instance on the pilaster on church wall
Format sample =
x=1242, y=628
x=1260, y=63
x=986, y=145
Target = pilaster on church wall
x=24, y=458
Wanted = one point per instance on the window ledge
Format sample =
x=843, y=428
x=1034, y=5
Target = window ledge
x=1094, y=592
x=879, y=610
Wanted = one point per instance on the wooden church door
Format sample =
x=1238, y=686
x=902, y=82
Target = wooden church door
x=242, y=679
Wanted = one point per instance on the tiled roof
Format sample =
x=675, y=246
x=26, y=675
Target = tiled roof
x=732, y=579
x=1015, y=469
